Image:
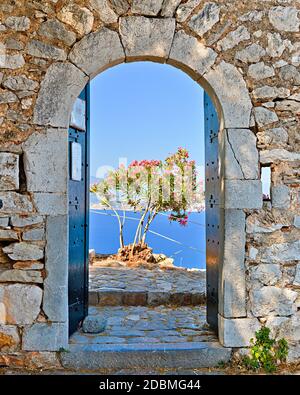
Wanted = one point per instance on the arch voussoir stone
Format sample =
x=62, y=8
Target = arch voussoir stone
x=97, y=51
x=191, y=55
x=147, y=38
x=225, y=81
x=62, y=84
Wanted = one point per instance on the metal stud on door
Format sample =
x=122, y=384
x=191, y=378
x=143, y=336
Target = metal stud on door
x=213, y=210
x=78, y=210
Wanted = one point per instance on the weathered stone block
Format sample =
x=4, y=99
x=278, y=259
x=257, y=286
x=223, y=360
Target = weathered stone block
x=24, y=251
x=9, y=338
x=233, y=282
x=260, y=71
x=45, y=337
x=271, y=300
x=9, y=171
x=8, y=235
x=204, y=20
x=46, y=161
x=55, y=30
x=12, y=62
x=184, y=10
x=233, y=38
x=281, y=252
x=94, y=324
x=15, y=203
x=50, y=203
x=237, y=332
x=104, y=47
x=21, y=276
x=285, y=327
x=79, y=18
x=251, y=54
x=297, y=276
x=266, y=274
x=236, y=104
x=18, y=23
x=281, y=196
x=146, y=7
x=106, y=13
x=55, y=302
x=241, y=155
x=147, y=37
x=243, y=194
x=4, y=221
x=20, y=303
x=285, y=18
x=20, y=83
x=188, y=52
x=20, y=221
x=43, y=50
x=37, y=234
x=169, y=7
x=278, y=154
x=120, y=6
x=62, y=84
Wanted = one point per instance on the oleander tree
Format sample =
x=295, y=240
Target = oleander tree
x=150, y=187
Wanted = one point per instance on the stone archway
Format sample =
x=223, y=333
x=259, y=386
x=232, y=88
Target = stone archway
x=140, y=38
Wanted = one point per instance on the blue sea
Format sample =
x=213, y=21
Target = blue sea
x=186, y=245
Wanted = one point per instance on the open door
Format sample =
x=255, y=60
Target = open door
x=78, y=210
x=213, y=210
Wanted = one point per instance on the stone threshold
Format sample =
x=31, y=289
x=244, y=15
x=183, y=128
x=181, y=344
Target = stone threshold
x=136, y=298
x=145, y=356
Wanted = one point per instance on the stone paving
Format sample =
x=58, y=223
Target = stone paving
x=125, y=286
x=140, y=325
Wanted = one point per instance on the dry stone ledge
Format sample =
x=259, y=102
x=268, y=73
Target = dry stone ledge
x=62, y=84
x=24, y=251
x=45, y=337
x=9, y=171
x=103, y=46
x=237, y=332
x=46, y=161
x=188, y=51
x=235, y=103
x=15, y=203
x=147, y=38
x=271, y=300
x=19, y=303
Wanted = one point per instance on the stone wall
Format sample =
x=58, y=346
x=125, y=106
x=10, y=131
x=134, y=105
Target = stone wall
x=246, y=54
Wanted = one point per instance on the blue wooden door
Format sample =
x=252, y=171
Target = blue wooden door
x=214, y=213
x=78, y=210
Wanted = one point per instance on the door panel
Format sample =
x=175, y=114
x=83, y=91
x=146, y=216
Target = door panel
x=78, y=215
x=213, y=210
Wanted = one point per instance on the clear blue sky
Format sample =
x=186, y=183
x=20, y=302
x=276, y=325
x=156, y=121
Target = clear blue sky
x=144, y=110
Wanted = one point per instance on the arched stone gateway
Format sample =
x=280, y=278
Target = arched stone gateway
x=42, y=75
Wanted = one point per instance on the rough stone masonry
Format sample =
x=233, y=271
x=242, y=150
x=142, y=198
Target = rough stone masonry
x=246, y=54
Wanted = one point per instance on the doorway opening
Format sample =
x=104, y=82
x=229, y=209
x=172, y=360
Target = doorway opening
x=136, y=113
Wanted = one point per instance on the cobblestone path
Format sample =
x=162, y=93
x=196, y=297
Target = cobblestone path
x=138, y=325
